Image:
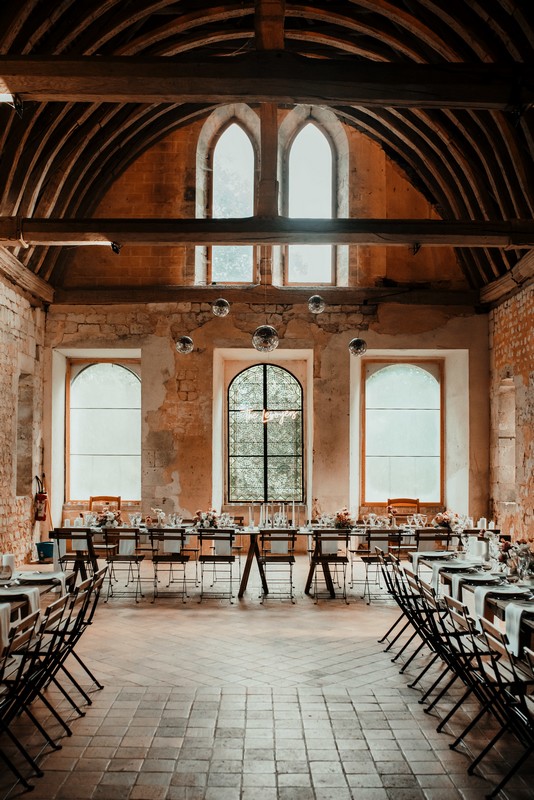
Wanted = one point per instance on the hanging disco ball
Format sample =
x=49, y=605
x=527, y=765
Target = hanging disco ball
x=221, y=307
x=184, y=344
x=357, y=347
x=316, y=304
x=265, y=338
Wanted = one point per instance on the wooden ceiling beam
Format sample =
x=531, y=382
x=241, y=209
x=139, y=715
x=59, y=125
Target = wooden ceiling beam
x=520, y=276
x=267, y=76
x=15, y=272
x=29, y=231
x=367, y=298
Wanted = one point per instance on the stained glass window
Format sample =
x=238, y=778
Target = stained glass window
x=403, y=431
x=265, y=436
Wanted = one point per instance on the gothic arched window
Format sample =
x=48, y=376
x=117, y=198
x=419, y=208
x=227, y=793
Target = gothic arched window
x=310, y=194
x=232, y=196
x=265, y=436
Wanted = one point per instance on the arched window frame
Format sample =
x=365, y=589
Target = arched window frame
x=437, y=365
x=330, y=126
x=214, y=127
x=75, y=367
x=267, y=497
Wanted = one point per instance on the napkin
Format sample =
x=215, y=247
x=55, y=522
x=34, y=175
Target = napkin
x=5, y=622
x=512, y=618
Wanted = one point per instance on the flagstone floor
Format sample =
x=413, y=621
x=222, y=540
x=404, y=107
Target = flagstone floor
x=251, y=701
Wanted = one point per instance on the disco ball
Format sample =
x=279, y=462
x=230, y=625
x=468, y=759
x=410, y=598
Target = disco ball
x=316, y=304
x=357, y=347
x=221, y=307
x=265, y=338
x=184, y=344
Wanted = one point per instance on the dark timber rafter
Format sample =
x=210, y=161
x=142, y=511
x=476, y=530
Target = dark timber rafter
x=259, y=230
x=267, y=76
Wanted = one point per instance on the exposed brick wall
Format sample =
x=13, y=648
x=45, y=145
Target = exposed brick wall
x=512, y=370
x=21, y=340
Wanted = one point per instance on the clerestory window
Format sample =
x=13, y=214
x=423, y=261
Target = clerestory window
x=310, y=190
x=232, y=196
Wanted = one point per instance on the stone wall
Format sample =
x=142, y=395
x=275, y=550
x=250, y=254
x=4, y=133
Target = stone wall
x=21, y=445
x=512, y=413
x=178, y=391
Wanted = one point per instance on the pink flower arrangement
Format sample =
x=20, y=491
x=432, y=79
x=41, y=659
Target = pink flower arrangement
x=343, y=518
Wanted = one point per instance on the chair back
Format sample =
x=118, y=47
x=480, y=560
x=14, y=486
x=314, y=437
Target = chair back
x=332, y=539
x=112, y=501
x=378, y=537
x=127, y=540
x=278, y=541
x=222, y=539
x=167, y=540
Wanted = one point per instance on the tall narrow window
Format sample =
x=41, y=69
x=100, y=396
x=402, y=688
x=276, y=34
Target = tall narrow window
x=104, y=432
x=233, y=196
x=25, y=435
x=403, y=426
x=265, y=438
x=310, y=195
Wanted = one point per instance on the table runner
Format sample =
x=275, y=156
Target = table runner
x=497, y=591
x=57, y=576
x=5, y=622
x=458, y=578
x=29, y=593
x=512, y=617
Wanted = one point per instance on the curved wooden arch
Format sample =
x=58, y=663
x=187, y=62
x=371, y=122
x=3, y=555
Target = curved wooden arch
x=61, y=158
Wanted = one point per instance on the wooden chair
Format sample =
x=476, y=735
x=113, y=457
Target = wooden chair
x=113, y=501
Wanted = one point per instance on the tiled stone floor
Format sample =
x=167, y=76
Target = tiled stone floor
x=256, y=702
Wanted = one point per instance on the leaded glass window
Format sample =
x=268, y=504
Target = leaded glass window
x=403, y=431
x=265, y=436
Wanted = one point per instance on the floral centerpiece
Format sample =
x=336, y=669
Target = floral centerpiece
x=343, y=518
x=160, y=516
x=108, y=518
x=446, y=519
x=517, y=556
x=206, y=519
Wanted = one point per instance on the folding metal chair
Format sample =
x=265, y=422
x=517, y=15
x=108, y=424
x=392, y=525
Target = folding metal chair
x=168, y=556
x=216, y=557
x=277, y=556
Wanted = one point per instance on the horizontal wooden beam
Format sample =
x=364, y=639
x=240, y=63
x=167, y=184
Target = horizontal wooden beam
x=267, y=76
x=260, y=230
x=12, y=269
x=366, y=299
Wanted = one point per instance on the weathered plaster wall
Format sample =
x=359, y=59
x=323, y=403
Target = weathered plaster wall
x=177, y=394
x=21, y=340
x=512, y=413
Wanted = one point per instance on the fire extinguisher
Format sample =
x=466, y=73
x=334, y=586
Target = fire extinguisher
x=41, y=500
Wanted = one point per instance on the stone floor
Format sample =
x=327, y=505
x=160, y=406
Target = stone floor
x=215, y=701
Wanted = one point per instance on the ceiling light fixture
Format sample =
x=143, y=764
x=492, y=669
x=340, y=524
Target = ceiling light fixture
x=316, y=304
x=265, y=338
x=184, y=345
x=357, y=347
x=221, y=307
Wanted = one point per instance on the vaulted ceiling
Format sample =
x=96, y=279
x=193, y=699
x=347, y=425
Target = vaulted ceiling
x=464, y=137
